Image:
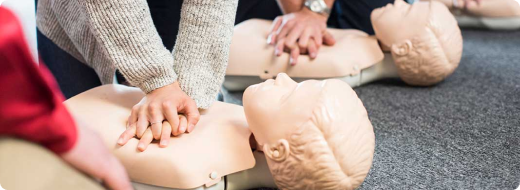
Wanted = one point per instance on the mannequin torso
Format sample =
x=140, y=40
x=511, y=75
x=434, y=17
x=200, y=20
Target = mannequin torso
x=253, y=61
x=219, y=146
x=492, y=14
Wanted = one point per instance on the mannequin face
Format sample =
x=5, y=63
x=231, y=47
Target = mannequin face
x=399, y=21
x=314, y=134
x=424, y=40
x=276, y=106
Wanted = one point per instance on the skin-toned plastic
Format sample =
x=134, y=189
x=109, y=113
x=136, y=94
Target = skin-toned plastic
x=356, y=58
x=486, y=8
x=317, y=135
x=424, y=39
x=492, y=14
x=250, y=54
x=219, y=146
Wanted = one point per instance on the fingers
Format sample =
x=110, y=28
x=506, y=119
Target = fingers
x=127, y=135
x=183, y=124
x=170, y=112
x=132, y=119
x=165, y=135
x=271, y=39
x=156, y=118
x=293, y=36
x=304, y=40
x=328, y=39
x=284, y=30
x=142, y=123
x=192, y=114
x=295, y=52
x=311, y=48
x=146, y=139
x=318, y=38
x=278, y=49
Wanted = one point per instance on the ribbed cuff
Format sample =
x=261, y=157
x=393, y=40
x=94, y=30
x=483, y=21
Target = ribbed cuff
x=157, y=82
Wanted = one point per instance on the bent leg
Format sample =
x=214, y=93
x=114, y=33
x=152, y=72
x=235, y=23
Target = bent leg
x=25, y=165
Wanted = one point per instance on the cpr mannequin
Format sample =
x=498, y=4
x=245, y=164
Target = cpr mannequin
x=219, y=146
x=491, y=14
x=318, y=135
x=356, y=58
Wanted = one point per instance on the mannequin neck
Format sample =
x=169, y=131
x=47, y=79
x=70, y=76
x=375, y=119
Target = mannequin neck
x=384, y=69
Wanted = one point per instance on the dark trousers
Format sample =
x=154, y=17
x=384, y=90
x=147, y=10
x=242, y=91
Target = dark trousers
x=345, y=14
x=75, y=77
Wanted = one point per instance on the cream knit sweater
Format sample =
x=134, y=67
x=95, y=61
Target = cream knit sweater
x=120, y=34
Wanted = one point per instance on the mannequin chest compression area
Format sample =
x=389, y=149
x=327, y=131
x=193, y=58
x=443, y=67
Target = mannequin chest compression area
x=253, y=61
x=491, y=14
x=217, y=147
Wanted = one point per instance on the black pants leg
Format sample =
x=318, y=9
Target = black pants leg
x=263, y=9
x=355, y=14
x=345, y=14
x=73, y=76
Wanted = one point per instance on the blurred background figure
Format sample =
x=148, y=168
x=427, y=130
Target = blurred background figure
x=31, y=109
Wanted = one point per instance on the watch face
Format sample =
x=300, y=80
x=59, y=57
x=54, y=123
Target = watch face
x=315, y=6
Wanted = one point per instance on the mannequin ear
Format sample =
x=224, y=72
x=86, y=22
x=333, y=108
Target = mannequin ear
x=279, y=152
x=403, y=48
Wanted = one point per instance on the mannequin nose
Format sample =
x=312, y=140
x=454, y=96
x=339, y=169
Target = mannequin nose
x=283, y=79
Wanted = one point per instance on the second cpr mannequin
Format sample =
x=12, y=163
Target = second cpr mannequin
x=491, y=14
x=431, y=53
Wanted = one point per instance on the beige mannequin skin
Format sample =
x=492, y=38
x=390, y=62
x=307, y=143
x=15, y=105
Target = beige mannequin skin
x=252, y=60
x=314, y=128
x=492, y=14
x=356, y=58
x=218, y=147
x=428, y=50
x=222, y=144
x=486, y=8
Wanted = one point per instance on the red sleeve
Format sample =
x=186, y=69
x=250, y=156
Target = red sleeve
x=31, y=105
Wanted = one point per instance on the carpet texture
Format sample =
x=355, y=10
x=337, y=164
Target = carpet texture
x=463, y=133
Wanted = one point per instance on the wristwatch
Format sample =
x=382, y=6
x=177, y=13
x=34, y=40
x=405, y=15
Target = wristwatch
x=318, y=6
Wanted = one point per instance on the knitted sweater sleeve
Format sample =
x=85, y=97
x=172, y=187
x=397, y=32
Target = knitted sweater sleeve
x=201, y=51
x=128, y=37
x=126, y=31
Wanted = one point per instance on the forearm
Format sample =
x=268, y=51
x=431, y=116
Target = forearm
x=31, y=103
x=202, y=48
x=126, y=32
x=290, y=6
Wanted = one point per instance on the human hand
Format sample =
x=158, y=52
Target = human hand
x=471, y=3
x=465, y=4
x=296, y=31
x=90, y=155
x=147, y=137
x=163, y=103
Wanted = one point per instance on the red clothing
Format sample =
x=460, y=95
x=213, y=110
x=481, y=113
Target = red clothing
x=30, y=101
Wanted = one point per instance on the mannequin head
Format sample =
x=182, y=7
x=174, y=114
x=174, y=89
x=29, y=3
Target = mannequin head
x=315, y=134
x=424, y=40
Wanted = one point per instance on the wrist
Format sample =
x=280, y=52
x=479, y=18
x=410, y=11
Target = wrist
x=318, y=6
x=307, y=11
x=173, y=86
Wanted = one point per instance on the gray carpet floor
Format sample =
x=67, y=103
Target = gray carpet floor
x=463, y=133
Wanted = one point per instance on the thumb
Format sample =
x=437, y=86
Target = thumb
x=328, y=39
x=192, y=114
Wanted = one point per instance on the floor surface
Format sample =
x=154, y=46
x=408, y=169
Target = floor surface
x=463, y=133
